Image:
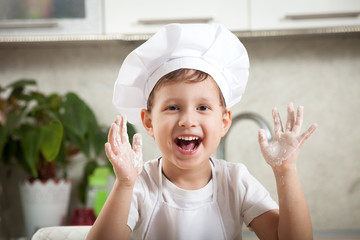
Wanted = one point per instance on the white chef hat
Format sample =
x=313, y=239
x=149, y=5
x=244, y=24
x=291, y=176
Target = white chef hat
x=210, y=48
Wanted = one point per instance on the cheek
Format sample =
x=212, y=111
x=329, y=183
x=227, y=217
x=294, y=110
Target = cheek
x=215, y=129
x=162, y=131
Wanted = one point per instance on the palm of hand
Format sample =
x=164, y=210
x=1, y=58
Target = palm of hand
x=124, y=167
x=127, y=162
x=286, y=142
x=280, y=149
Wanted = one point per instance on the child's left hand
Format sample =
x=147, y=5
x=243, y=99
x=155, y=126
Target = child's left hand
x=283, y=150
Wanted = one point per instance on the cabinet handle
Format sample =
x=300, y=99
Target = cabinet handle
x=176, y=20
x=13, y=25
x=322, y=15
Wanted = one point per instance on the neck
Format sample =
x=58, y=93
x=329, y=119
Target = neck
x=188, y=179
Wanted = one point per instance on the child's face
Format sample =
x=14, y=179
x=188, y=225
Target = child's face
x=187, y=121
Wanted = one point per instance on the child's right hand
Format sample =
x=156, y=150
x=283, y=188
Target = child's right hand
x=127, y=162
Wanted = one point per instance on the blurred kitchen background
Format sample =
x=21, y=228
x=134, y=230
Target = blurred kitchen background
x=307, y=52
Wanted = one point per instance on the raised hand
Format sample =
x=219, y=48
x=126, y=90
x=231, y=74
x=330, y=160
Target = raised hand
x=127, y=162
x=288, y=141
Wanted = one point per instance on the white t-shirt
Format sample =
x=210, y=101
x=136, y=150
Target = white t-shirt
x=240, y=197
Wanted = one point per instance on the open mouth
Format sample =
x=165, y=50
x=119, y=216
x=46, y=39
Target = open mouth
x=188, y=143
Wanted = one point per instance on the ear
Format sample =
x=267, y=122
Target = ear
x=226, y=122
x=147, y=122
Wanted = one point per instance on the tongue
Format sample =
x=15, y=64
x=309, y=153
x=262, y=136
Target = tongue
x=187, y=145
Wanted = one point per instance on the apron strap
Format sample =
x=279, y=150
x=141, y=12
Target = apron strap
x=214, y=180
x=160, y=180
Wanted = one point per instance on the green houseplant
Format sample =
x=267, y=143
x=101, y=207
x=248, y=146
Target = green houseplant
x=41, y=132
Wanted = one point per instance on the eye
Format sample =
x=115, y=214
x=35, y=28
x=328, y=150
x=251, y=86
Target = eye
x=172, y=108
x=203, y=108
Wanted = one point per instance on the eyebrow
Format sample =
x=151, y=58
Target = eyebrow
x=202, y=99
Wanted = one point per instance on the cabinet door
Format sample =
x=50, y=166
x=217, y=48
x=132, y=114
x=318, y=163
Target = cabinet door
x=147, y=16
x=296, y=14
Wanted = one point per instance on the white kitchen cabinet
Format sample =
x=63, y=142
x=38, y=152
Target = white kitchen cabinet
x=147, y=16
x=303, y=14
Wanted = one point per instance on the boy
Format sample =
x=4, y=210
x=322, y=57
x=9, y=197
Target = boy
x=181, y=83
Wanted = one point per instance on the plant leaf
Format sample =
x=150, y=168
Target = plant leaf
x=100, y=140
x=61, y=157
x=3, y=139
x=52, y=135
x=9, y=151
x=21, y=83
x=80, y=123
x=30, y=144
x=82, y=144
x=88, y=170
x=19, y=86
x=13, y=119
x=75, y=115
x=130, y=131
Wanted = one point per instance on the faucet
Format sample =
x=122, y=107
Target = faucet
x=242, y=116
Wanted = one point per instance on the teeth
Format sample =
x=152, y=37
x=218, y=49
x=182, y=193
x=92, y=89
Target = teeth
x=188, y=138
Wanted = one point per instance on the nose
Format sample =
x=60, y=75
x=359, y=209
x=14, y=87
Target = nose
x=188, y=119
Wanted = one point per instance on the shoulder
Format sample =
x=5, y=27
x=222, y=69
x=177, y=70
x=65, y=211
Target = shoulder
x=240, y=189
x=149, y=175
x=146, y=186
x=230, y=169
x=235, y=177
x=151, y=167
x=144, y=197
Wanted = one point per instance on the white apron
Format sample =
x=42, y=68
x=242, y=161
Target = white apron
x=201, y=223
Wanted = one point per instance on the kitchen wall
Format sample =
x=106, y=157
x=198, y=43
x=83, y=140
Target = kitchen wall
x=320, y=72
